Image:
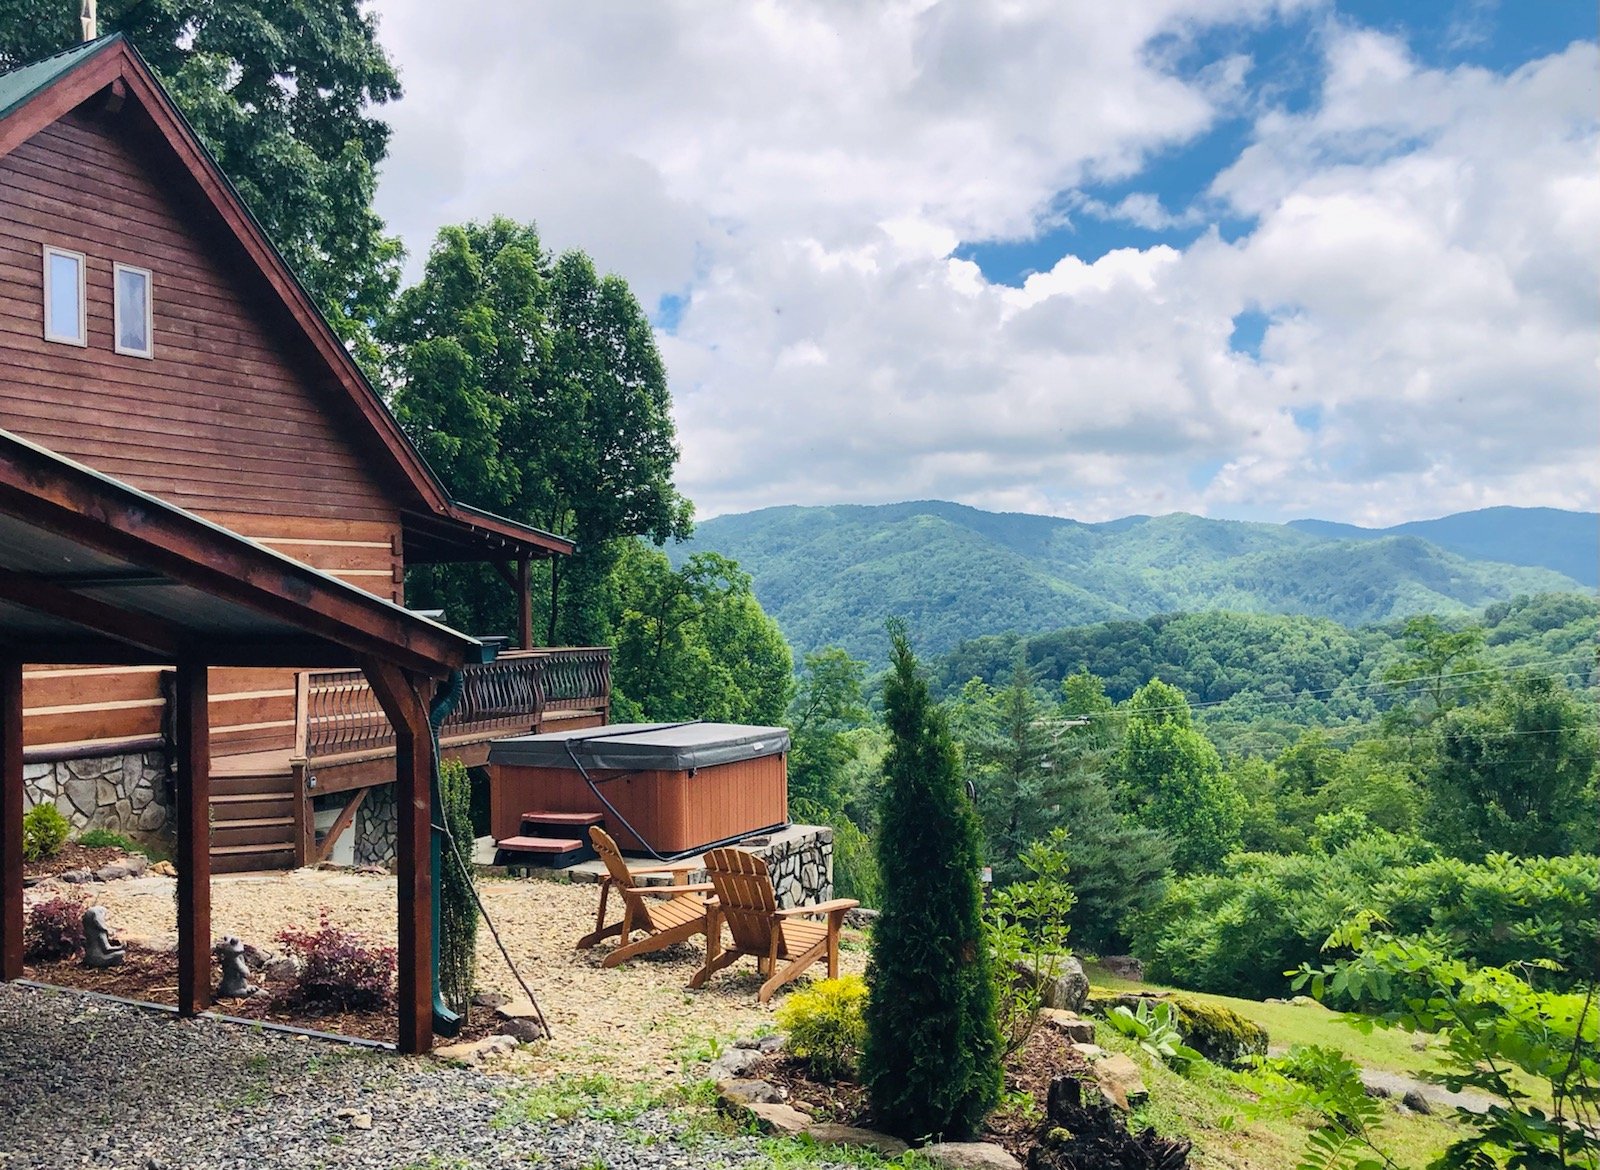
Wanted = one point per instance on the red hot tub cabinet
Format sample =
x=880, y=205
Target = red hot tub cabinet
x=683, y=787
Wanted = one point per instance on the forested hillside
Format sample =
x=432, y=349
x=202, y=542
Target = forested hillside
x=1257, y=680
x=832, y=575
x=1549, y=537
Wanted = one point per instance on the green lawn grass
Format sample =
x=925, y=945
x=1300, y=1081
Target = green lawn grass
x=1212, y=1108
x=1385, y=1049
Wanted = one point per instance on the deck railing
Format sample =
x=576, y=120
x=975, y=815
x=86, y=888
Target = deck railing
x=336, y=712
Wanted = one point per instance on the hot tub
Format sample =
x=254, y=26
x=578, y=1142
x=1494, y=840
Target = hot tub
x=673, y=787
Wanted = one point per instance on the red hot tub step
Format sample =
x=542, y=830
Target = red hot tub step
x=550, y=852
x=578, y=819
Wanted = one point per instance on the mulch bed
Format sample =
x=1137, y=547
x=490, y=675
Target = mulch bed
x=73, y=856
x=1045, y=1056
x=152, y=977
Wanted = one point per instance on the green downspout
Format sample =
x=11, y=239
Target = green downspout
x=445, y=1022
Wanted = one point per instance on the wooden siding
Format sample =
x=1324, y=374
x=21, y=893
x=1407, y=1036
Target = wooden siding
x=225, y=419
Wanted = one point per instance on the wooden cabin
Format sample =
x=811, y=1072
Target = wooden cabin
x=150, y=331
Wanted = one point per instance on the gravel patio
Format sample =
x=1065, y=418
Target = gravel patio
x=635, y=1023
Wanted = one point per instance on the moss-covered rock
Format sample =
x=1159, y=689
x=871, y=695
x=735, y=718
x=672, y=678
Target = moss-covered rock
x=1218, y=1033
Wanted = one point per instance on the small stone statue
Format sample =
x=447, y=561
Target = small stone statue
x=235, y=972
x=99, y=948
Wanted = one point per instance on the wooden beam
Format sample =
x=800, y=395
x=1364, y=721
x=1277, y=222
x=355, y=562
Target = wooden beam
x=193, y=749
x=340, y=824
x=401, y=696
x=141, y=631
x=10, y=819
x=525, y=603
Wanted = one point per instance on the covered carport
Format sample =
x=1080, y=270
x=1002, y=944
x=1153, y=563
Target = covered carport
x=93, y=571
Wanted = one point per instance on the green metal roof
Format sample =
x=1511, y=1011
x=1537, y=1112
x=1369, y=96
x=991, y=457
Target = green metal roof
x=23, y=82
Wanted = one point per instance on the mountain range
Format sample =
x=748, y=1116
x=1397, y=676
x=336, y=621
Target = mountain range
x=832, y=575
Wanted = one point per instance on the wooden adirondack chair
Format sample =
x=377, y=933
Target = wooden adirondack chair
x=747, y=902
x=667, y=914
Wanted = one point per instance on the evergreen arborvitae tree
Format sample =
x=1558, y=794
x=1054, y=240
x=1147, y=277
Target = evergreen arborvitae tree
x=932, y=1055
x=458, y=909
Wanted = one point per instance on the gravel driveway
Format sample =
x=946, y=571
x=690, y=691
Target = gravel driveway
x=85, y=1082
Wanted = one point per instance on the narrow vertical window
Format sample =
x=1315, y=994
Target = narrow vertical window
x=65, y=317
x=133, y=321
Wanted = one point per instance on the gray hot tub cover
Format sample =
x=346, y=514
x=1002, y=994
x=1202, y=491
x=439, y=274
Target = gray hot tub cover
x=643, y=747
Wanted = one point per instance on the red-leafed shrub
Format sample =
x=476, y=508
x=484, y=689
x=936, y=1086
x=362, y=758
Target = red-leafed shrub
x=340, y=971
x=54, y=930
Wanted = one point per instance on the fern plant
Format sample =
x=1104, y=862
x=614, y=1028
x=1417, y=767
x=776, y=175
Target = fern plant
x=1315, y=1079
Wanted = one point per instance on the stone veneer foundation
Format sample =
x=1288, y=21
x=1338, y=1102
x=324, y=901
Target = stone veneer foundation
x=125, y=794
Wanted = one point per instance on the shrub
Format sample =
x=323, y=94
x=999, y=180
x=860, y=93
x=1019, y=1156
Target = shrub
x=826, y=1025
x=54, y=930
x=1501, y=1035
x=1027, y=926
x=458, y=908
x=106, y=839
x=1236, y=932
x=339, y=971
x=931, y=1060
x=44, y=832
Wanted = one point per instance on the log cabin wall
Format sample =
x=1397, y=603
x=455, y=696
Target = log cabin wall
x=225, y=419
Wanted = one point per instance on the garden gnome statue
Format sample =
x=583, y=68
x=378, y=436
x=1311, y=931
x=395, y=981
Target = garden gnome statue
x=235, y=974
x=99, y=950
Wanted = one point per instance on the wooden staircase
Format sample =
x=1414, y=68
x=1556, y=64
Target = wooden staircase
x=252, y=813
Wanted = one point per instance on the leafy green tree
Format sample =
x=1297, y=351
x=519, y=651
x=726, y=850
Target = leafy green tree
x=932, y=1057
x=533, y=386
x=1515, y=774
x=1176, y=781
x=693, y=643
x=284, y=96
x=1439, y=668
x=827, y=707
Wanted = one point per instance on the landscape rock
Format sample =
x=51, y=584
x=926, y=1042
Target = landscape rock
x=1124, y=967
x=112, y=872
x=1069, y=1024
x=164, y=868
x=75, y=877
x=474, y=1051
x=1218, y=1033
x=524, y=1031
x=859, y=916
x=734, y=1063
x=1416, y=1102
x=517, y=1009
x=490, y=999
x=748, y=1091
x=970, y=1156
x=1067, y=991
x=773, y=1118
x=829, y=1133
x=1120, y=1080
x=283, y=969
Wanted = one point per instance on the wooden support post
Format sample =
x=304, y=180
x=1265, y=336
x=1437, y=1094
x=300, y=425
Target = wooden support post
x=193, y=748
x=10, y=819
x=525, y=603
x=401, y=695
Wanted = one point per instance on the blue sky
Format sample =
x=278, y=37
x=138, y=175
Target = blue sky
x=1283, y=73
x=1254, y=259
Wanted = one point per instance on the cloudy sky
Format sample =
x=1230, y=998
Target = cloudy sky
x=1256, y=259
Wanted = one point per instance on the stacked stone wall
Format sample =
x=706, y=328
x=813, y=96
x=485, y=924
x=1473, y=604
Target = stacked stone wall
x=377, y=827
x=125, y=794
